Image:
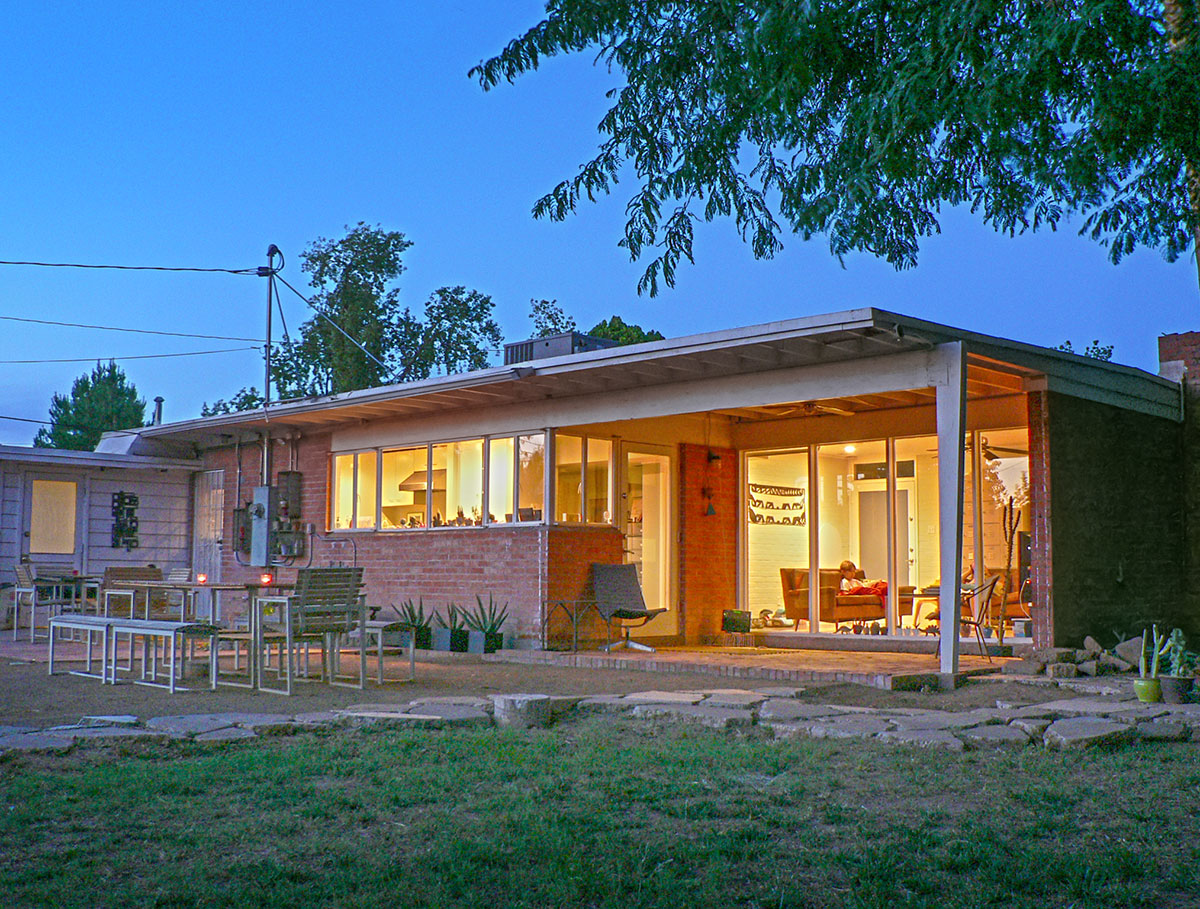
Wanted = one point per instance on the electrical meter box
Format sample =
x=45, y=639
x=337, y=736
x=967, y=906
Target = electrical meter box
x=288, y=484
x=264, y=513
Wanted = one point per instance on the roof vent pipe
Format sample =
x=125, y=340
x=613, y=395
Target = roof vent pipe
x=158, y=403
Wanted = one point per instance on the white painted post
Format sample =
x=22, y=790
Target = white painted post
x=951, y=420
x=814, y=545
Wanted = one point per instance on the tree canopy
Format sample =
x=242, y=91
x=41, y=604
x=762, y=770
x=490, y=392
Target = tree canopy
x=100, y=401
x=617, y=329
x=459, y=333
x=549, y=319
x=859, y=119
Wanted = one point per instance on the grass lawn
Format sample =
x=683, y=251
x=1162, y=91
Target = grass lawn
x=597, y=813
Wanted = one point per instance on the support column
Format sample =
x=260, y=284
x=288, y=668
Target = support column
x=814, y=545
x=951, y=422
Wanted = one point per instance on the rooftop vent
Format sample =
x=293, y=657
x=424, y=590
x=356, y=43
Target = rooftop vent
x=569, y=342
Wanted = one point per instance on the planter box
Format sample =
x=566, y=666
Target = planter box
x=454, y=639
x=478, y=642
x=424, y=638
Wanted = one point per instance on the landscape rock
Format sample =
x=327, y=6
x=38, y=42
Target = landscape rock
x=1023, y=667
x=1061, y=670
x=35, y=741
x=604, y=703
x=121, y=719
x=1089, y=667
x=1091, y=645
x=1130, y=651
x=847, y=727
x=1115, y=662
x=665, y=697
x=458, y=700
x=1053, y=654
x=523, y=711
x=1085, y=732
x=729, y=697
x=994, y=737
x=1032, y=728
x=316, y=718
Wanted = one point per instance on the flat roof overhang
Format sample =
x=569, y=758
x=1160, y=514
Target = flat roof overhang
x=813, y=341
x=60, y=457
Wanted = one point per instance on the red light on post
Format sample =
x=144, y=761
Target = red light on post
x=266, y=579
x=202, y=578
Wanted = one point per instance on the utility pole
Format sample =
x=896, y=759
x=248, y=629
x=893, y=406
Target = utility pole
x=269, y=273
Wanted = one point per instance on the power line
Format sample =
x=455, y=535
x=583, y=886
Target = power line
x=140, y=331
x=322, y=314
x=193, y=353
x=227, y=271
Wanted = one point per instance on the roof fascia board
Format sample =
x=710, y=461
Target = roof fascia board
x=871, y=375
x=15, y=453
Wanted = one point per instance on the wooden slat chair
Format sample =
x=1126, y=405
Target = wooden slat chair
x=326, y=607
x=36, y=595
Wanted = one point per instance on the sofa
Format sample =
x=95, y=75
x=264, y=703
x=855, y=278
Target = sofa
x=834, y=608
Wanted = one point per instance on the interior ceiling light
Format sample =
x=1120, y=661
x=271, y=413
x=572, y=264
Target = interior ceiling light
x=849, y=449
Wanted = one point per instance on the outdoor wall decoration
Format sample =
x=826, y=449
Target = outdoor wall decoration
x=777, y=504
x=125, y=521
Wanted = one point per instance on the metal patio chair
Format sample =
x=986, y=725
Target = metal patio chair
x=618, y=597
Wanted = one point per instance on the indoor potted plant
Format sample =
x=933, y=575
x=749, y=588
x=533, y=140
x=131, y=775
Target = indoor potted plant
x=1176, y=683
x=484, y=624
x=414, y=619
x=1148, y=688
x=451, y=635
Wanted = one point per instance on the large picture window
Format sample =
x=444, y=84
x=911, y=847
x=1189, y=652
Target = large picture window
x=457, y=492
x=581, y=495
x=404, y=498
x=353, y=491
x=531, y=476
x=501, y=471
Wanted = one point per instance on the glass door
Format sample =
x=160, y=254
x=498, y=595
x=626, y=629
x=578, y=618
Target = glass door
x=647, y=520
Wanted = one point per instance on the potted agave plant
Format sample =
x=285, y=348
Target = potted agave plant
x=1178, y=680
x=1148, y=687
x=451, y=633
x=484, y=624
x=414, y=619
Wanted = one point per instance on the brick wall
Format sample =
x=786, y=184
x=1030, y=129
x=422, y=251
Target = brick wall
x=1115, y=516
x=708, y=543
x=1179, y=359
x=570, y=552
x=439, y=566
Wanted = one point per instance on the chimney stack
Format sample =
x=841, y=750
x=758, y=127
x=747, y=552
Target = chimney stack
x=158, y=403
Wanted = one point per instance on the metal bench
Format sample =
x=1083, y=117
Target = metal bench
x=90, y=626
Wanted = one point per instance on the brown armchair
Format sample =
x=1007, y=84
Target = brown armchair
x=834, y=608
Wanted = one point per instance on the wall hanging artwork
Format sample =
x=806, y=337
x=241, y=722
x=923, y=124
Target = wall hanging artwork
x=777, y=504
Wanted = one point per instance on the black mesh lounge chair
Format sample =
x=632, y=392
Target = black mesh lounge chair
x=619, y=598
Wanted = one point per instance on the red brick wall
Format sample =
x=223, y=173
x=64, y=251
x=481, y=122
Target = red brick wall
x=570, y=552
x=1185, y=348
x=708, y=547
x=1115, y=515
x=441, y=566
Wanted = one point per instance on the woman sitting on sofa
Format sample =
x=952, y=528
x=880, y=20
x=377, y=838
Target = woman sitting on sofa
x=852, y=585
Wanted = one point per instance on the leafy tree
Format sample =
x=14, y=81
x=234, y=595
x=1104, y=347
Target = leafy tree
x=860, y=119
x=549, y=319
x=1095, y=350
x=244, y=399
x=460, y=332
x=616, y=329
x=100, y=401
x=355, y=295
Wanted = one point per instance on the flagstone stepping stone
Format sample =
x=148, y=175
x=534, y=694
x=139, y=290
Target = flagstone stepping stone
x=1163, y=731
x=120, y=732
x=449, y=715
x=1086, y=731
x=665, y=697
x=965, y=719
x=1183, y=713
x=121, y=719
x=714, y=717
x=259, y=721
x=737, y=699
x=994, y=737
x=16, y=730
x=460, y=700
x=189, y=724
x=780, y=691
x=316, y=718
x=35, y=741
x=782, y=711
x=923, y=738
x=228, y=734
x=1033, y=728
x=523, y=711
x=604, y=703
x=847, y=727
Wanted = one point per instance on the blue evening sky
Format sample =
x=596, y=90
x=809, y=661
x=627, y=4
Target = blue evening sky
x=197, y=134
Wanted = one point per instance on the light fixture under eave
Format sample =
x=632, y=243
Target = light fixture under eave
x=850, y=449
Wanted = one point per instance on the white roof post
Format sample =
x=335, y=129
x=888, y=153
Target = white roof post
x=951, y=423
